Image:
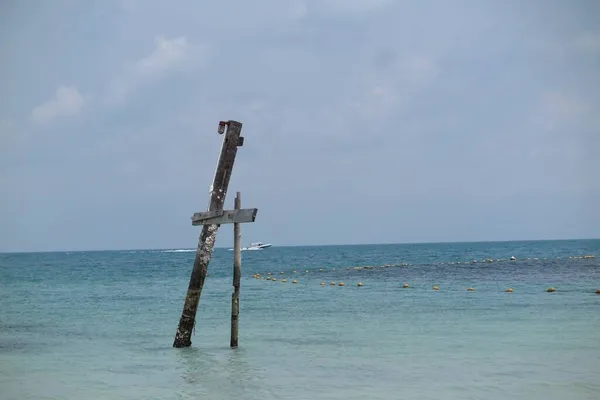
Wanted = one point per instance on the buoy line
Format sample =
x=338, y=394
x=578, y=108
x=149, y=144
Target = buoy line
x=402, y=286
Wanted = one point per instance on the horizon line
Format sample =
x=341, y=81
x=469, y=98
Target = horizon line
x=305, y=245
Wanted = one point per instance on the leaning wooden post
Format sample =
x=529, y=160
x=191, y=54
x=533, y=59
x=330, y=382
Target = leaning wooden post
x=231, y=141
x=237, y=273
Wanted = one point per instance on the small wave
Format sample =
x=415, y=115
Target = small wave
x=179, y=251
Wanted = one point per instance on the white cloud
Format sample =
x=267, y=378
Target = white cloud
x=168, y=57
x=563, y=106
x=127, y=5
x=588, y=42
x=67, y=101
x=298, y=9
x=5, y=128
x=6, y=133
x=566, y=48
x=418, y=69
x=357, y=5
x=389, y=91
x=556, y=108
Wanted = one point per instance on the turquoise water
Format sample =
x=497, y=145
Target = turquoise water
x=100, y=325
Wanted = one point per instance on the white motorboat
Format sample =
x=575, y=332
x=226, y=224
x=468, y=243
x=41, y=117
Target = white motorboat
x=257, y=246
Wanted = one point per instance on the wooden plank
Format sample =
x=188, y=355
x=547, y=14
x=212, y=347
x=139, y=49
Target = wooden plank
x=206, y=242
x=237, y=273
x=209, y=214
x=228, y=217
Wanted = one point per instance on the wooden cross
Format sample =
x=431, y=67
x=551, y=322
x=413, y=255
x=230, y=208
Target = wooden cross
x=236, y=217
x=210, y=221
x=220, y=217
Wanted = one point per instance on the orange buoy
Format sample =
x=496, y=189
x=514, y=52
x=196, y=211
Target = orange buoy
x=470, y=289
x=509, y=290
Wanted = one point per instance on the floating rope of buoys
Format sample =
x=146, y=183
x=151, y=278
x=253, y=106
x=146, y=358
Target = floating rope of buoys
x=405, y=285
x=474, y=261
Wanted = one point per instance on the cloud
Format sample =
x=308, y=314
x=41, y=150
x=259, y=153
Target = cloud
x=67, y=101
x=298, y=10
x=569, y=47
x=471, y=119
x=356, y=5
x=418, y=69
x=6, y=128
x=8, y=137
x=588, y=41
x=555, y=109
x=385, y=92
x=168, y=57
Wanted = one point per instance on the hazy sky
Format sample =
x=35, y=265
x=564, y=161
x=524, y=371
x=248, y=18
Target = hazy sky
x=365, y=121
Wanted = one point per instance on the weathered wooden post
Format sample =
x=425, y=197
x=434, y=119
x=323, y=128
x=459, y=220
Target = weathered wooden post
x=237, y=274
x=210, y=221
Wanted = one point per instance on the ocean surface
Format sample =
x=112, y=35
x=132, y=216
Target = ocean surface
x=100, y=325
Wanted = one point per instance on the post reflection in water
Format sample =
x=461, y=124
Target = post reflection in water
x=221, y=370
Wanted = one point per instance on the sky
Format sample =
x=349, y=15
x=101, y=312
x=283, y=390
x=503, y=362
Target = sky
x=365, y=121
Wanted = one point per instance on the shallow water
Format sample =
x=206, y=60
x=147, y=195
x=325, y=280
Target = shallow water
x=100, y=325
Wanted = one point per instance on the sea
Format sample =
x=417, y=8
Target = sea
x=100, y=324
